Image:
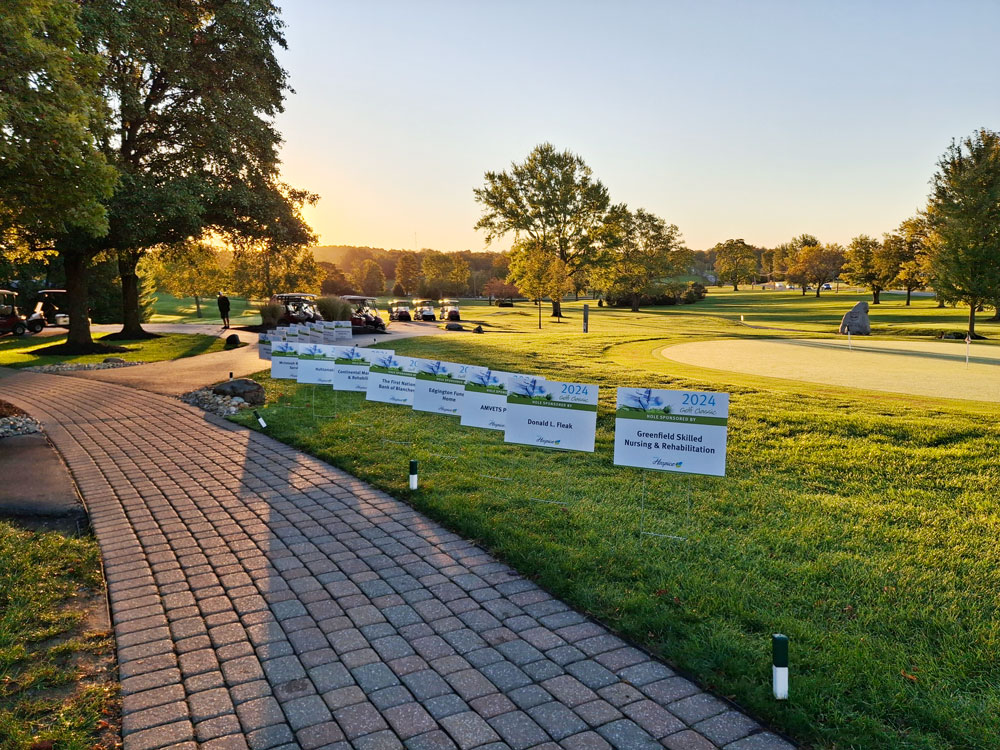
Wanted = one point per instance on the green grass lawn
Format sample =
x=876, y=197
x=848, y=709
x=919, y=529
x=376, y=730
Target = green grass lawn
x=864, y=525
x=56, y=670
x=170, y=309
x=21, y=352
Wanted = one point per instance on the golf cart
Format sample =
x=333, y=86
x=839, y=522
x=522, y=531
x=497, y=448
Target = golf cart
x=365, y=317
x=299, y=308
x=399, y=309
x=10, y=321
x=49, y=308
x=449, y=309
x=423, y=309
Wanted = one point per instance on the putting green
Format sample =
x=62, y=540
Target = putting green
x=920, y=368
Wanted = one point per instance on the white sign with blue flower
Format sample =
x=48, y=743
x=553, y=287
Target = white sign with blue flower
x=351, y=363
x=682, y=431
x=392, y=379
x=284, y=360
x=440, y=386
x=316, y=364
x=485, y=400
x=551, y=414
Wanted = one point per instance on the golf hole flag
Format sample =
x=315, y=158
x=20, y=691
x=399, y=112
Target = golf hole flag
x=316, y=364
x=485, y=401
x=440, y=386
x=683, y=431
x=392, y=379
x=284, y=360
x=551, y=414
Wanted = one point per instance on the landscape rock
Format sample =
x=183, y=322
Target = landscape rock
x=477, y=329
x=72, y=367
x=232, y=341
x=248, y=390
x=17, y=425
x=113, y=361
x=216, y=403
x=454, y=327
x=855, y=321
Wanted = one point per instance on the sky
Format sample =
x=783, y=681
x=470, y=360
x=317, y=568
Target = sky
x=753, y=120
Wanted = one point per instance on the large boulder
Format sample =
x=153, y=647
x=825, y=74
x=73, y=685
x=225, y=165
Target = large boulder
x=454, y=327
x=248, y=390
x=855, y=321
x=232, y=341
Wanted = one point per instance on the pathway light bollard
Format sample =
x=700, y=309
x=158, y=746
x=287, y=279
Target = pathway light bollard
x=260, y=419
x=230, y=376
x=779, y=668
x=413, y=474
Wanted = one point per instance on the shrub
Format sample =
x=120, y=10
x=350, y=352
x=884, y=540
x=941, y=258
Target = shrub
x=270, y=313
x=333, y=308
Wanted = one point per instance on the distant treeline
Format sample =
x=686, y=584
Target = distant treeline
x=427, y=272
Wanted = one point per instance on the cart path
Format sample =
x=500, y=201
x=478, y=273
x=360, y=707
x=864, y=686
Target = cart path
x=263, y=599
x=177, y=376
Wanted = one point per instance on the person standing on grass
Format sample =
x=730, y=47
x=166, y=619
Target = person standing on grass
x=223, y=301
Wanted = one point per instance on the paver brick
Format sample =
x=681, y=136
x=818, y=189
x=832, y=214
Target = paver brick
x=409, y=719
x=627, y=735
x=518, y=730
x=699, y=706
x=727, y=727
x=687, y=740
x=359, y=719
x=653, y=718
x=259, y=713
x=762, y=741
x=468, y=730
x=557, y=720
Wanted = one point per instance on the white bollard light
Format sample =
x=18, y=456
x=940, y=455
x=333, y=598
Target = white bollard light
x=413, y=474
x=779, y=668
x=260, y=419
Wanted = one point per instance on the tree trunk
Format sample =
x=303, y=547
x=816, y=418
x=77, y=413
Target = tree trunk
x=197, y=306
x=539, y=303
x=131, y=314
x=635, y=303
x=556, y=309
x=736, y=286
x=803, y=290
x=875, y=295
x=972, y=319
x=908, y=293
x=75, y=267
x=818, y=287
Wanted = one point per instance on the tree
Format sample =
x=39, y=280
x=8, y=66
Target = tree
x=334, y=282
x=735, y=261
x=904, y=250
x=500, y=289
x=408, y=272
x=780, y=259
x=436, y=268
x=369, y=278
x=538, y=274
x=963, y=216
x=192, y=90
x=458, y=277
x=260, y=269
x=53, y=177
x=188, y=270
x=818, y=264
x=550, y=200
x=863, y=266
x=642, y=250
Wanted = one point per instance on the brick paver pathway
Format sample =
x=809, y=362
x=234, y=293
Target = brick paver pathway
x=263, y=599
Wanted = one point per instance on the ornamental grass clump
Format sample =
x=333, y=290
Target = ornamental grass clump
x=333, y=308
x=270, y=314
